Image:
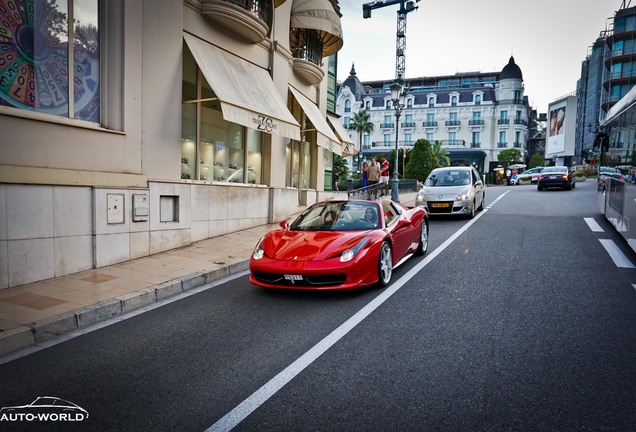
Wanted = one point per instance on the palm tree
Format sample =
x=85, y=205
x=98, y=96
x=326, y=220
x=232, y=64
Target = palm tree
x=441, y=153
x=360, y=123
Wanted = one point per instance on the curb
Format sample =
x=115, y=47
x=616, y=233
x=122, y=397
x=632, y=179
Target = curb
x=25, y=336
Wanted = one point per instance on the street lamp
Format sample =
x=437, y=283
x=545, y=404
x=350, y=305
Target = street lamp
x=601, y=140
x=397, y=97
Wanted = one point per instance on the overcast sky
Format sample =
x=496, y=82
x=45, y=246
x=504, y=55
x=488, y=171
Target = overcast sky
x=548, y=39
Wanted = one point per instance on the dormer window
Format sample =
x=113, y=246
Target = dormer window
x=348, y=106
x=477, y=99
x=454, y=101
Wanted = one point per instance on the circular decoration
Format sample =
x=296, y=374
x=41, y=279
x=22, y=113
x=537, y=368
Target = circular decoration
x=34, y=64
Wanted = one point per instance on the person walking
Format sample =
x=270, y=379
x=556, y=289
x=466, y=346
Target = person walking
x=384, y=171
x=374, y=176
x=365, y=174
x=336, y=179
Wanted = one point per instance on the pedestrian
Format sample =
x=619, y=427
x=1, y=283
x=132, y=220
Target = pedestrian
x=384, y=171
x=373, y=172
x=336, y=179
x=365, y=174
x=508, y=175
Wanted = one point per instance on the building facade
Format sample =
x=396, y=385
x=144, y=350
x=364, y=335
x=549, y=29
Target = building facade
x=608, y=73
x=473, y=115
x=162, y=123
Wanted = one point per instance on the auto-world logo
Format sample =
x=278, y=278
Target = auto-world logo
x=44, y=409
x=264, y=123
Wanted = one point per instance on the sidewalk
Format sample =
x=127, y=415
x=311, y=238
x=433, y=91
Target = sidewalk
x=37, y=311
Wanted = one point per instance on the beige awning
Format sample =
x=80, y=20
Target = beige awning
x=325, y=136
x=319, y=15
x=348, y=146
x=246, y=92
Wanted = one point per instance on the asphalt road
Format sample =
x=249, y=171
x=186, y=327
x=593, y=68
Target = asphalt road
x=516, y=321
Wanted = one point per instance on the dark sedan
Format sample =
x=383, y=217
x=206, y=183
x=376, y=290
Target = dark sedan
x=556, y=177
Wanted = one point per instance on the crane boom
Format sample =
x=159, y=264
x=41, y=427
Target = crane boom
x=400, y=43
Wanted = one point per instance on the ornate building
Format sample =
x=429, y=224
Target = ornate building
x=474, y=115
x=161, y=123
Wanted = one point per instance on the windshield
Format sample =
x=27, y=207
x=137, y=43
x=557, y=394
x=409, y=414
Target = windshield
x=339, y=216
x=556, y=169
x=448, y=177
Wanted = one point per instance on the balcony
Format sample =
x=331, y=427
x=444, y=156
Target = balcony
x=521, y=122
x=429, y=124
x=407, y=124
x=502, y=145
x=307, y=53
x=453, y=122
x=510, y=102
x=387, y=125
x=475, y=145
x=475, y=122
x=503, y=121
x=517, y=145
x=244, y=19
x=453, y=143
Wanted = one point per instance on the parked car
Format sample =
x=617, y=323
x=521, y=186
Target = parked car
x=556, y=176
x=452, y=191
x=532, y=173
x=340, y=245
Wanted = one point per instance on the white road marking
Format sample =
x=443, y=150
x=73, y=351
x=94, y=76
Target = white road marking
x=616, y=254
x=260, y=396
x=594, y=226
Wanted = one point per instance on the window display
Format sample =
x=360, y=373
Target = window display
x=35, y=57
x=221, y=154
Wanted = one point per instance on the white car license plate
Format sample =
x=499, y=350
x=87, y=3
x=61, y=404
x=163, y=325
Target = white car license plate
x=293, y=277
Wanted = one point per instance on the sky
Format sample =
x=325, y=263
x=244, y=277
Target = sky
x=549, y=39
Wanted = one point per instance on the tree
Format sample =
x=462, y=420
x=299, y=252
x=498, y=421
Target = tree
x=509, y=156
x=441, y=153
x=536, y=160
x=360, y=123
x=340, y=166
x=422, y=160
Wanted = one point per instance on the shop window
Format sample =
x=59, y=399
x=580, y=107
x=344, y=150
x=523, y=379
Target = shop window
x=298, y=163
x=37, y=64
x=213, y=149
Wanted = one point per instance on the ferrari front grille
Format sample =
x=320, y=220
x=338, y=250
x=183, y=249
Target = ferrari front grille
x=307, y=281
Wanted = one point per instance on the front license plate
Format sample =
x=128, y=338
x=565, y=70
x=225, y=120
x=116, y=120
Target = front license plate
x=293, y=277
x=437, y=205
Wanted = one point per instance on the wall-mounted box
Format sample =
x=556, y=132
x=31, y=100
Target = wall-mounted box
x=115, y=208
x=141, y=209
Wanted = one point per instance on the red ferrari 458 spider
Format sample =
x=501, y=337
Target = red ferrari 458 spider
x=340, y=245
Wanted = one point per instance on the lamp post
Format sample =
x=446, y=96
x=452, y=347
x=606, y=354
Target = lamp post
x=397, y=97
x=600, y=139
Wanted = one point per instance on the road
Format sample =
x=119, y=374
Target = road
x=518, y=320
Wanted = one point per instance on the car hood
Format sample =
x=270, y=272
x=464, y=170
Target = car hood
x=290, y=245
x=444, y=193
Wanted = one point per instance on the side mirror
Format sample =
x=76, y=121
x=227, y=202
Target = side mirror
x=284, y=225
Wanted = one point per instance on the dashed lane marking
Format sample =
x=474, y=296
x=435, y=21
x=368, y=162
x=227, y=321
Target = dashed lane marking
x=616, y=254
x=594, y=226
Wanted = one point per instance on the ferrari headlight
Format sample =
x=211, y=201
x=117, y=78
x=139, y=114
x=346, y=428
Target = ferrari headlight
x=350, y=253
x=258, y=250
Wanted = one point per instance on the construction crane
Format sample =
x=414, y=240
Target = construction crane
x=400, y=44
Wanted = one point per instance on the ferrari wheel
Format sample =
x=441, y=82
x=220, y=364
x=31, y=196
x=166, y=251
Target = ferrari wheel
x=423, y=246
x=385, y=266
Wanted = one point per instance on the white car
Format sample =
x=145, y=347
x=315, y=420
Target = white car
x=452, y=191
x=533, y=173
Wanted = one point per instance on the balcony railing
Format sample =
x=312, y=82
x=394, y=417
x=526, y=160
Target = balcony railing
x=388, y=145
x=475, y=145
x=407, y=124
x=521, y=122
x=453, y=143
x=517, y=145
x=429, y=124
x=510, y=102
x=453, y=122
x=502, y=145
x=385, y=125
x=257, y=7
x=475, y=122
x=503, y=121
